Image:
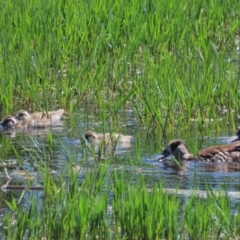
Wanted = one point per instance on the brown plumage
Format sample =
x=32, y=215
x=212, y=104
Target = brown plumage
x=220, y=153
x=52, y=115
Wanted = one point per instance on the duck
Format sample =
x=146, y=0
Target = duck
x=234, y=138
x=219, y=153
x=97, y=138
x=178, y=149
x=52, y=115
x=11, y=123
x=23, y=115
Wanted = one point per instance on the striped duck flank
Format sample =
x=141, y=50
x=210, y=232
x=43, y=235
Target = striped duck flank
x=52, y=115
x=219, y=153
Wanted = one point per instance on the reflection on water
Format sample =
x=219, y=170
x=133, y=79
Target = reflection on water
x=201, y=175
x=68, y=146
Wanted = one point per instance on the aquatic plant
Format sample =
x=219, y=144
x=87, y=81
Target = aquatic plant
x=175, y=64
x=167, y=62
x=121, y=209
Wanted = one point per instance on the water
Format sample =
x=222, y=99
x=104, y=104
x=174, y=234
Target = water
x=33, y=152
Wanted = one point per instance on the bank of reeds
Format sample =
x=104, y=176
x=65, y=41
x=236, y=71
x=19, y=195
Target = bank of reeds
x=107, y=205
x=177, y=62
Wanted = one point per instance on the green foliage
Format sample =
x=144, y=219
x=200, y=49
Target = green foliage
x=167, y=62
x=120, y=209
x=171, y=63
x=143, y=215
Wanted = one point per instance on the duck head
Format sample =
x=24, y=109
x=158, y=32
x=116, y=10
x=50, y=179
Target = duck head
x=178, y=149
x=9, y=122
x=91, y=136
x=22, y=115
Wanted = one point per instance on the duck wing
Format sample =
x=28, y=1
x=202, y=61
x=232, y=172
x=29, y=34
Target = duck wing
x=220, y=153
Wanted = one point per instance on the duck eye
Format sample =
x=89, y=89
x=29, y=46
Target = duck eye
x=87, y=136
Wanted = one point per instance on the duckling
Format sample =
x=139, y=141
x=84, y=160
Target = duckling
x=24, y=115
x=219, y=153
x=234, y=138
x=178, y=149
x=9, y=122
x=97, y=138
x=52, y=115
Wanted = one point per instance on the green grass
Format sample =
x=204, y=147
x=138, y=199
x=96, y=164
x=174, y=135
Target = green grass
x=117, y=209
x=168, y=62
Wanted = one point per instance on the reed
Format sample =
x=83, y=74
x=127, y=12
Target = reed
x=166, y=62
x=121, y=208
x=175, y=64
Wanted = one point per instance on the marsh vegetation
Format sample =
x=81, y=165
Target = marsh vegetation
x=142, y=68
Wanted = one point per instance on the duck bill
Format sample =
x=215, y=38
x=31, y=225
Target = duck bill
x=164, y=154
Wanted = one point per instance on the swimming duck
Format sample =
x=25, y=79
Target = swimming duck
x=52, y=115
x=178, y=149
x=234, y=138
x=24, y=115
x=97, y=138
x=219, y=153
x=9, y=122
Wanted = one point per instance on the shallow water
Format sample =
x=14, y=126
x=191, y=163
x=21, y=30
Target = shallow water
x=68, y=147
